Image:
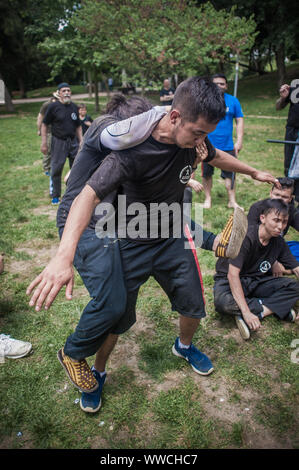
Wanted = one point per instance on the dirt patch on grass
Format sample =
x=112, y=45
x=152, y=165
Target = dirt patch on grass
x=40, y=256
x=48, y=210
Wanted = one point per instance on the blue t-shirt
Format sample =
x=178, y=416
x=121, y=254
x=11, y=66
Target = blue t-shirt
x=222, y=136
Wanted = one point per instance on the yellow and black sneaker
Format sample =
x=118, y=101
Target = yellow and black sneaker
x=79, y=372
x=232, y=235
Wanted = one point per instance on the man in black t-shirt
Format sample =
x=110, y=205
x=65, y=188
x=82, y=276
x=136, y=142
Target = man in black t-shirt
x=245, y=287
x=286, y=194
x=289, y=94
x=66, y=132
x=152, y=173
x=167, y=93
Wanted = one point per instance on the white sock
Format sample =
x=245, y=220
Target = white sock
x=183, y=346
x=101, y=373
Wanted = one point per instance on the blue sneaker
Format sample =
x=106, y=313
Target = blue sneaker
x=47, y=173
x=91, y=402
x=55, y=201
x=199, y=362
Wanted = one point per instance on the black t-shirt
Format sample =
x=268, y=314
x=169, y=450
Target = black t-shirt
x=89, y=157
x=83, y=121
x=293, y=116
x=257, y=208
x=256, y=260
x=165, y=92
x=64, y=119
x=151, y=173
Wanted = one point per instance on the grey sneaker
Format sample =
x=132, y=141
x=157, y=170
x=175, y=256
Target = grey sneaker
x=243, y=328
x=13, y=348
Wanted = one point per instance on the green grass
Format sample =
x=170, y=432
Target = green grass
x=151, y=399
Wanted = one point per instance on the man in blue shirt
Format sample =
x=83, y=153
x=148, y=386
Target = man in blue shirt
x=222, y=138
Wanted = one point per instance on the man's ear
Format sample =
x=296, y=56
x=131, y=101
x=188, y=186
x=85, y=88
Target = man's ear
x=262, y=218
x=174, y=115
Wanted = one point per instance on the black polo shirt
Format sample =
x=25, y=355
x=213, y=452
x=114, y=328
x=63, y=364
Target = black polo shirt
x=64, y=119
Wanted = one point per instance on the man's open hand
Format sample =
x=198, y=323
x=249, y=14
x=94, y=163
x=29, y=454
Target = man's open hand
x=265, y=177
x=47, y=285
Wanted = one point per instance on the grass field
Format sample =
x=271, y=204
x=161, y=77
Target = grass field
x=151, y=399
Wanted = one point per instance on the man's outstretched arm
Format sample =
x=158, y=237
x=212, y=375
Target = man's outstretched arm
x=59, y=271
x=227, y=162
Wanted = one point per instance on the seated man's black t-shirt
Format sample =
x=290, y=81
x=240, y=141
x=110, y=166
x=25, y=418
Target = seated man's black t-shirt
x=151, y=174
x=256, y=260
x=64, y=119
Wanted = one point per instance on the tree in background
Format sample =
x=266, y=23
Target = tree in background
x=277, y=24
x=25, y=23
x=151, y=41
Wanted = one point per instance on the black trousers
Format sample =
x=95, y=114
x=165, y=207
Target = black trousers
x=60, y=151
x=279, y=294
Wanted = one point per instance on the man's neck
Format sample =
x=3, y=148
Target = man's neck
x=263, y=235
x=162, y=131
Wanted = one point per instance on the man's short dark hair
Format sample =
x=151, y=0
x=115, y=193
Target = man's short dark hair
x=286, y=183
x=276, y=205
x=199, y=96
x=219, y=75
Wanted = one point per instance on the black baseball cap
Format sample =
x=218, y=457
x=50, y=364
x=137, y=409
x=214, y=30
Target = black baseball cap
x=63, y=85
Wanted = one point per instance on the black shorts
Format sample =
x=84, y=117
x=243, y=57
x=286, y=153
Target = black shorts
x=207, y=170
x=173, y=266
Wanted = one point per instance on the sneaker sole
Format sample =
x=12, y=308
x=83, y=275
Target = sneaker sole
x=239, y=230
x=243, y=329
x=87, y=409
x=176, y=353
x=59, y=355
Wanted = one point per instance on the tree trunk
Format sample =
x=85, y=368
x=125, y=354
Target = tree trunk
x=96, y=94
x=8, y=103
x=22, y=87
x=89, y=84
x=280, y=62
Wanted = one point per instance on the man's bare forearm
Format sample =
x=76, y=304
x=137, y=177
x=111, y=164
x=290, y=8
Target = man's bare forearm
x=227, y=162
x=237, y=292
x=77, y=221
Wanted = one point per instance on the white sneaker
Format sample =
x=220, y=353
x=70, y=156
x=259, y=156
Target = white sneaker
x=13, y=348
x=243, y=328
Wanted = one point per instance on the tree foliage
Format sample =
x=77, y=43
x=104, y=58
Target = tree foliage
x=277, y=26
x=161, y=36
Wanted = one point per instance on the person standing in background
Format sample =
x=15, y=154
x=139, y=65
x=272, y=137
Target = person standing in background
x=222, y=138
x=288, y=95
x=63, y=116
x=167, y=93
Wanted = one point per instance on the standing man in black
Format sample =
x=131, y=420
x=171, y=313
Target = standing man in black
x=63, y=116
x=289, y=94
x=166, y=94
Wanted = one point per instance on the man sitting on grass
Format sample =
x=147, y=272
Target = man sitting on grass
x=245, y=286
x=286, y=193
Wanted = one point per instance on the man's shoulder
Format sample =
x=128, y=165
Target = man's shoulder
x=231, y=99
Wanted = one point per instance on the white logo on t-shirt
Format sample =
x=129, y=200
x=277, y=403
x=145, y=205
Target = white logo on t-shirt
x=74, y=116
x=265, y=266
x=185, y=174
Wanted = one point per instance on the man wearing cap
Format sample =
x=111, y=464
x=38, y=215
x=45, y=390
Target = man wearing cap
x=63, y=116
